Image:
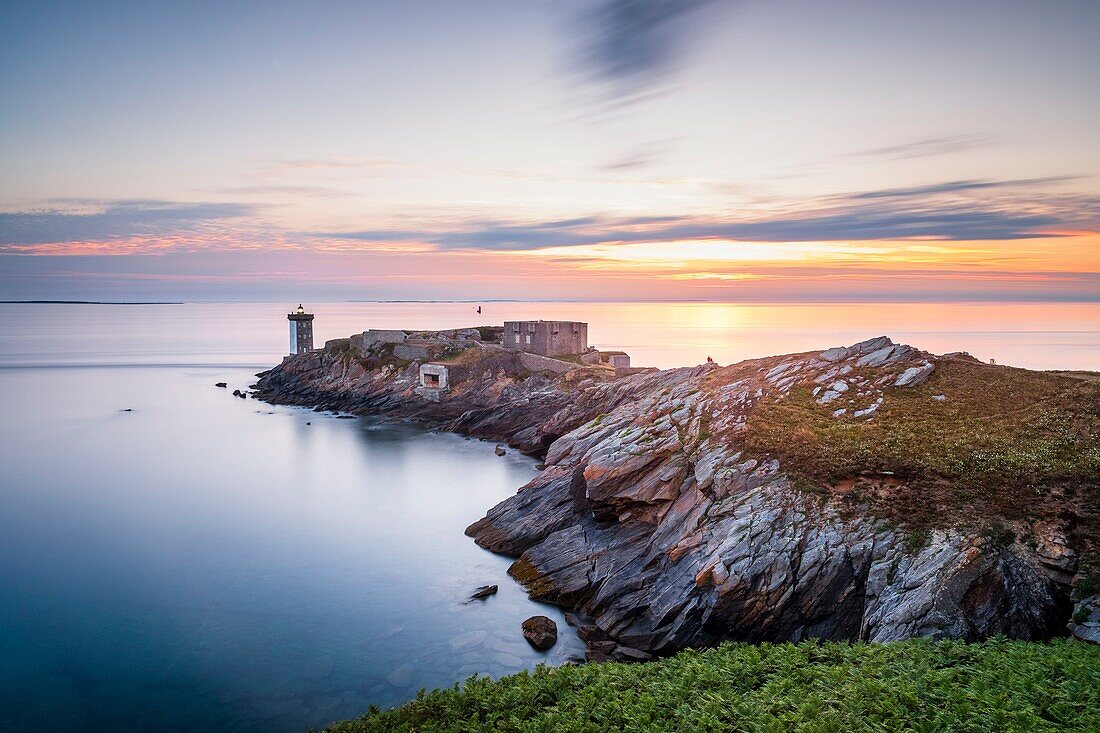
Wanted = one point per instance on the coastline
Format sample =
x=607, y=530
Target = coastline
x=668, y=514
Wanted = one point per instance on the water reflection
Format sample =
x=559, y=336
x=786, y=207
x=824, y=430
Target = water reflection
x=210, y=563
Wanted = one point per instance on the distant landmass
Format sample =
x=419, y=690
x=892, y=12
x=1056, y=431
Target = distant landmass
x=96, y=302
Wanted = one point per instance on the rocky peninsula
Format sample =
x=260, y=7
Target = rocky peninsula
x=866, y=492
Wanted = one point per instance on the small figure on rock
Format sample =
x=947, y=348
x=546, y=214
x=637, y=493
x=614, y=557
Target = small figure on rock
x=541, y=632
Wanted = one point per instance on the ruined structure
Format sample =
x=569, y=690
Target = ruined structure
x=549, y=338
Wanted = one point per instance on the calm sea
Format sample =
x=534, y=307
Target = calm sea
x=173, y=558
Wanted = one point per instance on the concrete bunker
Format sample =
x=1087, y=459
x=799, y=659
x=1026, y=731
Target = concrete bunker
x=434, y=376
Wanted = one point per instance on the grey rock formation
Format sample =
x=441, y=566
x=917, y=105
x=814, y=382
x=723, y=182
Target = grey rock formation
x=652, y=519
x=1085, y=623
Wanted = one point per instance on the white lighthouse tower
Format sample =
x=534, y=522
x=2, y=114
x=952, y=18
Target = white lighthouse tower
x=301, y=331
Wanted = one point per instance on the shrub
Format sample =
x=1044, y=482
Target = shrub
x=916, y=685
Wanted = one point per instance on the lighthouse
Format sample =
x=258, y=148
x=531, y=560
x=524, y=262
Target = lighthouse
x=301, y=331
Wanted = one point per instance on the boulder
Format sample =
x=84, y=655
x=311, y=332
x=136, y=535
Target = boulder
x=541, y=632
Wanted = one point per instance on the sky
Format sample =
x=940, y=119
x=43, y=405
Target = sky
x=737, y=150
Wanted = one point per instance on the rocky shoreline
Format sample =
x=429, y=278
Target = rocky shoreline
x=782, y=498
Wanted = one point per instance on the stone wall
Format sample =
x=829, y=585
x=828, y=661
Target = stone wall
x=338, y=344
x=373, y=335
x=410, y=352
x=537, y=363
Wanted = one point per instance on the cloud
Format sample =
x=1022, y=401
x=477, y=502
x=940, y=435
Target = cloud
x=319, y=192
x=632, y=44
x=960, y=186
x=927, y=146
x=641, y=156
x=84, y=220
x=335, y=167
x=893, y=214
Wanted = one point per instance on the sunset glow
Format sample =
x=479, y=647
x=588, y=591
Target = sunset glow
x=369, y=168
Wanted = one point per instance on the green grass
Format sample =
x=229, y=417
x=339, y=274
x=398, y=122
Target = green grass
x=916, y=685
x=1009, y=443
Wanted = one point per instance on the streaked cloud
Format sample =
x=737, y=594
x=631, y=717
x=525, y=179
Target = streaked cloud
x=960, y=186
x=282, y=190
x=892, y=214
x=335, y=165
x=928, y=146
x=82, y=220
x=640, y=156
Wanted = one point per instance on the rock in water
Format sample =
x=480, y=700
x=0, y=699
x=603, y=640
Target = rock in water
x=223, y=385
x=541, y=632
x=483, y=592
x=500, y=450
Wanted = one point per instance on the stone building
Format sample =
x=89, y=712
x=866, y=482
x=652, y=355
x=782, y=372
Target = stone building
x=549, y=338
x=301, y=331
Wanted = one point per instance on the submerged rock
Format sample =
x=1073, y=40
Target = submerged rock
x=483, y=592
x=541, y=632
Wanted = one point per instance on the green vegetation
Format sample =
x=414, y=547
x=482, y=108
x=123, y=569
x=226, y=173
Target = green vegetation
x=1010, y=443
x=916, y=685
x=489, y=333
x=916, y=539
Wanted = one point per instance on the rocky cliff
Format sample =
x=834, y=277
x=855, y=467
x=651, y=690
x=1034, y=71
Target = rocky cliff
x=867, y=492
